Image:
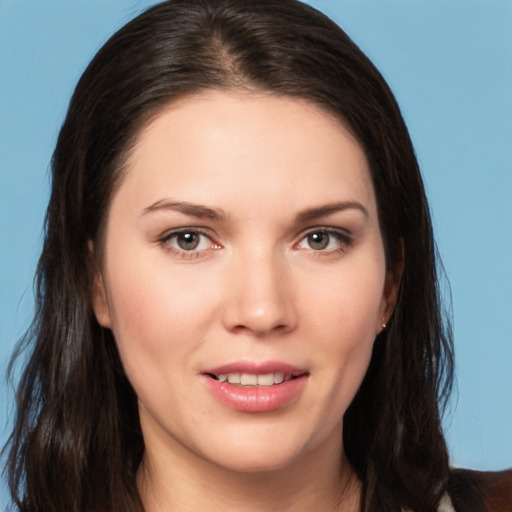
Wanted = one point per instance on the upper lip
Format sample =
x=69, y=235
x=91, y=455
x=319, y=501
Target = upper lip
x=256, y=368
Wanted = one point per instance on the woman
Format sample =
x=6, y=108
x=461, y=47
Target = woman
x=238, y=305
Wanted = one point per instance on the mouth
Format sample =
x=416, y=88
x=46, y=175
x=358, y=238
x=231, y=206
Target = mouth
x=252, y=379
x=256, y=387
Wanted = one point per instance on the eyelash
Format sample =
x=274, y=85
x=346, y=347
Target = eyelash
x=344, y=241
x=165, y=241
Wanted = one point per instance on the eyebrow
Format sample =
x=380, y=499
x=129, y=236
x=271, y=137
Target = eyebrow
x=191, y=209
x=205, y=212
x=329, y=209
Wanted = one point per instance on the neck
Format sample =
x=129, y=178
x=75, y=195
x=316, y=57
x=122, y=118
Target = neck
x=179, y=480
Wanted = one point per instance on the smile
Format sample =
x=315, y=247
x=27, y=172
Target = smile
x=250, y=379
x=256, y=387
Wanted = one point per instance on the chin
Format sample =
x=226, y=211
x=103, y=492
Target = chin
x=253, y=455
x=262, y=462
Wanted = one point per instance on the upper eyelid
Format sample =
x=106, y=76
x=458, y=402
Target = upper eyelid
x=186, y=229
x=326, y=229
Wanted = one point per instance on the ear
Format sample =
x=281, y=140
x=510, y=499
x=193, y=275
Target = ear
x=391, y=289
x=99, y=300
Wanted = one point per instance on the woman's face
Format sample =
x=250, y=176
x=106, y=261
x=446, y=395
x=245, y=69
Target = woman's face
x=244, y=279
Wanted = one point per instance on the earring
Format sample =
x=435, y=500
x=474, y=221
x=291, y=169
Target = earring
x=383, y=326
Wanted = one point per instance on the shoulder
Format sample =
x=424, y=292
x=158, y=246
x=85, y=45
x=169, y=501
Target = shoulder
x=481, y=491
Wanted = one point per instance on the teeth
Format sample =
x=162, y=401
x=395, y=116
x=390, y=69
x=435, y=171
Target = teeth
x=234, y=378
x=266, y=380
x=278, y=378
x=249, y=379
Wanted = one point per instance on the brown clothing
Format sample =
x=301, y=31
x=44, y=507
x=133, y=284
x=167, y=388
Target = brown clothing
x=479, y=491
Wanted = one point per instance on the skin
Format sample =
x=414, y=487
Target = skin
x=256, y=288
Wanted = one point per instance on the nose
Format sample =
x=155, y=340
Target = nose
x=260, y=297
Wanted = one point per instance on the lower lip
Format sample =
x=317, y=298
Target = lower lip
x=254, y=398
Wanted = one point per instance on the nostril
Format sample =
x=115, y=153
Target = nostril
x=252, y=309
x=261, y=329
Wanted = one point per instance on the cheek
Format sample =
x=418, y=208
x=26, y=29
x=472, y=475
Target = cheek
x=347, y=303
x=158, y=316
x=344, y=316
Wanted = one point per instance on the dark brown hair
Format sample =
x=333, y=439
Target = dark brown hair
x=77, y=444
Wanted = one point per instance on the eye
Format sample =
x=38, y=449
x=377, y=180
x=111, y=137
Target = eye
x=318, y=241
x=325, y=240
x=188, y=242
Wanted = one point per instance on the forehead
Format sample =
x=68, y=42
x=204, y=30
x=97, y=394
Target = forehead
x=215, y=146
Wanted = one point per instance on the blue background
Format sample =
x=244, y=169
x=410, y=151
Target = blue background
x=450, y=65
